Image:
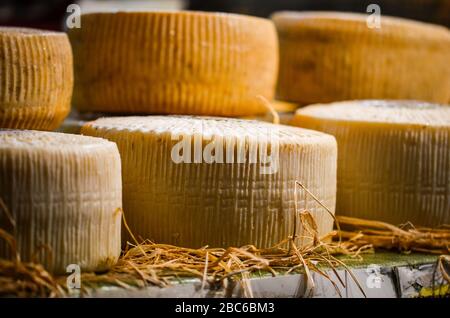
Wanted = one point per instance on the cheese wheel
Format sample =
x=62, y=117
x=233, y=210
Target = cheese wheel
x=196, y=181
x=329, y=56
x=64, y=193
x=174, y=63
x=393, y=161
x=36, y=78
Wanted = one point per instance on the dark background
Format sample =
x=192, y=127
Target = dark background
x=49, y=14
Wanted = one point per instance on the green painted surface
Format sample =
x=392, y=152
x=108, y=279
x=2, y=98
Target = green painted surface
x=389, y=259
x=382, y=258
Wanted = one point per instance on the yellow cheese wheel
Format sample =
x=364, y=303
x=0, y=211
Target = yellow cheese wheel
x=329, y=56
x=174, y=63
x=64, y=193
x=36, y=78
x=195, y=181
x=393, y=158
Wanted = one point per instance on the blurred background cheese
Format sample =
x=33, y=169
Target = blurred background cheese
x=393, y=161
x=36, y=78
x=330, y=56
x=174, y=63
x=65, y=195
x=209, y=202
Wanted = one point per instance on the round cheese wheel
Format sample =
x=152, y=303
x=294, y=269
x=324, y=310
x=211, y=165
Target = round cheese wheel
x=36, y=78
x=330, y=56
x=393, y=161
x=196, y=181
x=64, y=193
x=174, y=63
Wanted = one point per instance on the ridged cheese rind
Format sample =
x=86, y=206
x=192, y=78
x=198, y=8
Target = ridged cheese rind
x=218, y=204
x=174, y=63
x=36, y=78
x=64, y=193
x=393, y=158
x=329, y=56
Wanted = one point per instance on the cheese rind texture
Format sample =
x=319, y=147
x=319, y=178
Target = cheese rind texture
x=393, y=158
x=64, y=193
x=36, y=79
x=328, y=56
x=193, y=63
x=222, y=201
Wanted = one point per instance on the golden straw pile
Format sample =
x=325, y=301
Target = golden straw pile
x=405, y=238
x=22, y=279
x=147, y=263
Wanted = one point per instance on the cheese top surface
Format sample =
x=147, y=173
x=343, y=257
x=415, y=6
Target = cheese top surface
x=289, y=19
x=18, y=31
x=210, y=126
x=381, y=111
x=30, y=139
x=224, y=15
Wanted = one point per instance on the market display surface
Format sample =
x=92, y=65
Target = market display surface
x=146, y=192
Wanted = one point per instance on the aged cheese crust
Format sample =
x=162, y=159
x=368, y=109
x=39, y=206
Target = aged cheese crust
x=393, y=160
x=65, y=195
x=329, y=56
x=174, y=63
x=209, y=202
x=36, y=78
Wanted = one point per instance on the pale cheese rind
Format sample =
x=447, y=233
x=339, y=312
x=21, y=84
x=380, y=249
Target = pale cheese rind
x=393, y=158
x=213, y=203
x=64, y=193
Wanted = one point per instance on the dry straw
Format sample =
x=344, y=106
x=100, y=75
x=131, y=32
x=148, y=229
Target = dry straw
x=22, y=279
x=405, y=238
x=147, y=263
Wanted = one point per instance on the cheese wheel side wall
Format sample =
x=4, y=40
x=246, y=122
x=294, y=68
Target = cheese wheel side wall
x=174, y=63
x=391, y=173
x=326, y=60
x=37, y=80
x=220, y=204
x=65, y=205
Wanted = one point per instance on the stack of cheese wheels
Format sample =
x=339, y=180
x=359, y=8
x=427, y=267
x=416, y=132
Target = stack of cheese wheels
x=36, y=78
x=196, y=181
x=174, y=63
x=328, y=57
x=394, y=158
x=64, y=194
